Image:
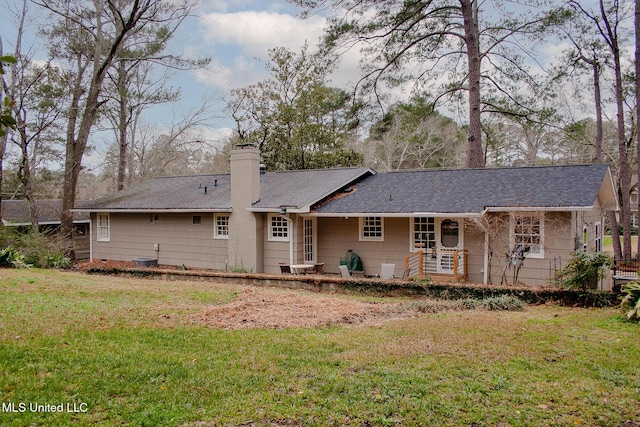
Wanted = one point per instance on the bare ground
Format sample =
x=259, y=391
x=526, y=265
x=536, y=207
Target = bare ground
x=277, y=309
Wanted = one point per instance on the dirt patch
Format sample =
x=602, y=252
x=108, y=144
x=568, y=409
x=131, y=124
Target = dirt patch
x=276, y=309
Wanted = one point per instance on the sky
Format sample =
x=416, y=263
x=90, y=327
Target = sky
x=237, y=35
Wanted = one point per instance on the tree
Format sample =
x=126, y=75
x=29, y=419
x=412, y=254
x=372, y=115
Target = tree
x=607, y=22
x=425, y=40
x=293, y=117
x=412, y=135
x=136, y=85
x=34, y=91
x=6, y=119
x=87, y=37
x=176, y=149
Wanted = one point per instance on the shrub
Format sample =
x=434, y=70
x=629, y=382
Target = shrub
x=499, y=303
x=10, y=257
x=631, y=301
x=46, y=250
x=502, y=303
x=583, y=271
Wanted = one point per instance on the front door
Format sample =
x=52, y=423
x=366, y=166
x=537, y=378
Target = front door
x=449, y=241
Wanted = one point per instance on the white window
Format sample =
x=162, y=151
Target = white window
x=221, y=228
x=278, y=228
x=527, y=232
x=598, y=238
x=424, y=233
x=372, y=228
x=309, y=232
x=104, y=227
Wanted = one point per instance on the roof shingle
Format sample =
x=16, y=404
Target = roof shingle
x=465, y=191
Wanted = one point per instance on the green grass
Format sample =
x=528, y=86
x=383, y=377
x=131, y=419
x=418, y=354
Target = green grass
x=129, y=351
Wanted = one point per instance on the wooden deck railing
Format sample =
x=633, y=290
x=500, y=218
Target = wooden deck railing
x=422, y=263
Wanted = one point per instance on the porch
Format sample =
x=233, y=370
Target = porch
x=442, y=263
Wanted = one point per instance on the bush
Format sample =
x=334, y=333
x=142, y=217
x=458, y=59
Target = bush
x=583, y=271
x=46, y=250
x=631, y=301
x=502, y=303
x=10, y=257
x=499, y=303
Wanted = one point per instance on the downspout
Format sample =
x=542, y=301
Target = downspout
x=291, y=239
x=91, y=238
x=485, y=277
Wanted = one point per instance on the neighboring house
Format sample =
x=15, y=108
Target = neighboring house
x=454, y=223
x=15, y=213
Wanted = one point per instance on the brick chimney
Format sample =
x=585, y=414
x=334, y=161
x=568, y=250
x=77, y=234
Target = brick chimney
x=245, y=227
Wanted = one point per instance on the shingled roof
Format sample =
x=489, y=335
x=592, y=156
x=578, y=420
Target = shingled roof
x=49, y=211
x=472, y=191
x=297, y=190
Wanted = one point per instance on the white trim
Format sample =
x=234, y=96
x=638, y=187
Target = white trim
x=22, y=224
x=361, y=225
x=537, y=255
x=91, y=241
x=216, y=235
x=508, y=209
x=396, y=215
x=286, y=229
x=485, y=261
x=99, y=227
x=149, y=210
x=597, y=240
x=460, y=244
x=314, y=238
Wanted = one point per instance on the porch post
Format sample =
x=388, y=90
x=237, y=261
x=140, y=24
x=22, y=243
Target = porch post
x=485, y=266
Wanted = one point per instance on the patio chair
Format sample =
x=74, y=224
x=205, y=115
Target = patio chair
x=284, y=268
x=387, y=270
x=345, y=272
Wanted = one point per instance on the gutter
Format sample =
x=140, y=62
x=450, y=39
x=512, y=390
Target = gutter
x=150, y=210
x=535, y=209
x=397, y=215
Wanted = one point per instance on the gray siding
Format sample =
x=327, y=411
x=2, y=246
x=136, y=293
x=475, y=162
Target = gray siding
x=180, y=241
x=337, y=235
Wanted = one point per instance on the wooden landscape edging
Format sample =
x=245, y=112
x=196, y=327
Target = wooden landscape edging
x=374, y=286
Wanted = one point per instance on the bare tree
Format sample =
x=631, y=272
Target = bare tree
x=410, y=136
x=34, y=91
x=86, y=38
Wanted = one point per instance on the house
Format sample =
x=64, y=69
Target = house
x=479, y=224
x=15, y=213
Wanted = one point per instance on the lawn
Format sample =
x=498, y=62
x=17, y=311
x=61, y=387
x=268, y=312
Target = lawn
x=119, y=351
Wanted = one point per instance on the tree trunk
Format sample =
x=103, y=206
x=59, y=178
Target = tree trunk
x=598, y=105
x=625, y=172
x=475, y=157
x=24, y=173
x=637, y=58
x=615, y=234
x=122, y=123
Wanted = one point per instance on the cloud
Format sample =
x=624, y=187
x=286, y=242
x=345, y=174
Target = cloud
x=240, y=42
x=254, y=32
